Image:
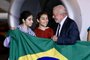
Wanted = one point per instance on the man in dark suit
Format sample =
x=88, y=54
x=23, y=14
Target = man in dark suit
x=67, y=31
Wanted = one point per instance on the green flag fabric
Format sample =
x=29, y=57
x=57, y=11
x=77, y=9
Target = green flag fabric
x=26, y=47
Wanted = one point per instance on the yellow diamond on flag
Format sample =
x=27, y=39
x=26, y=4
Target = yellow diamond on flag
x=49, y=53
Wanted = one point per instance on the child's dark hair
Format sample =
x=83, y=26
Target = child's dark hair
x=24, y=16
x=40, y=14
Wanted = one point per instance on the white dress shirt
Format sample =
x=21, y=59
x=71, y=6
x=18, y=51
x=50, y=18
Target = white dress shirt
x=61, y=24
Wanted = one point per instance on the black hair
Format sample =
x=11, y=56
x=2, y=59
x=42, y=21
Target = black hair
x=40, y=14
x=24, y=16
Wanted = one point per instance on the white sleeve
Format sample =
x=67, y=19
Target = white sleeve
x=6, y=41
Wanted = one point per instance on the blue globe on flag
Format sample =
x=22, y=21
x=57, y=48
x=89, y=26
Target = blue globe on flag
x=47, y=58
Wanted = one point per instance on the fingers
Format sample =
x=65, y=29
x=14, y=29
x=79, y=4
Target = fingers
x=54, y=38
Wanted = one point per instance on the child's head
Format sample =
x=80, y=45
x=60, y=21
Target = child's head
x=42, y=18
x=26, y=18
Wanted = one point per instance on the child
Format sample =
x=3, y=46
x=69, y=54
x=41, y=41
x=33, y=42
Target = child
x=43, y=30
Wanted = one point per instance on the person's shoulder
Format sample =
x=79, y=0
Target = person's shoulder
x=50, y=28
x=71, y=21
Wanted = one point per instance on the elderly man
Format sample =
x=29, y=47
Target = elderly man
x=67, y=31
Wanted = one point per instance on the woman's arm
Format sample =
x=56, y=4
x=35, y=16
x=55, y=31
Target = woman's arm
x=88, y=36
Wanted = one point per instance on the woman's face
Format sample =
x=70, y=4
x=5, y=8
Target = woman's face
x=43, y=21
x=29, y=21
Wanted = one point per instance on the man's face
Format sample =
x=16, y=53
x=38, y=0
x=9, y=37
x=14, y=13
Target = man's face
x=57, y=16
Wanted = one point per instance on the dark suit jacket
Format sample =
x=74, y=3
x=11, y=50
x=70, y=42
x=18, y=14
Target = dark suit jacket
x=69, y=33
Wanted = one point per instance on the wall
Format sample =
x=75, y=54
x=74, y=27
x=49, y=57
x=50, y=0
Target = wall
x=85, y=12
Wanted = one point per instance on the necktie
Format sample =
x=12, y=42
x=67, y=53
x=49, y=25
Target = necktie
x=58, y=30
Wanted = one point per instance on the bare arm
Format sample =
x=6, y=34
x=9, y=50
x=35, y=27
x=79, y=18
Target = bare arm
x=88, y=36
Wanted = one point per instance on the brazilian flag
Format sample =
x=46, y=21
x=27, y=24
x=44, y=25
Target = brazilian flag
x=26, y=47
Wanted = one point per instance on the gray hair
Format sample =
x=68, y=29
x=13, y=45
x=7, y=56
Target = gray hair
x=60, y=9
